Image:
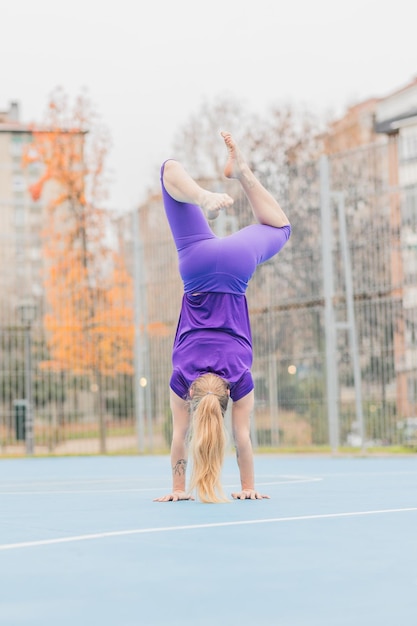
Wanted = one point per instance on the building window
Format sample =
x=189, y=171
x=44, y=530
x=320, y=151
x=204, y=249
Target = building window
x=16, y=149
x=19, y=215
x=18, y=183
x=411, y=333
x=408, y=148
x=412, y=390
x=409, y=206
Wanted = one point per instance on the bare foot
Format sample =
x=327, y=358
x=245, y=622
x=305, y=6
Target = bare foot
x=235, y=162
x=212, y=203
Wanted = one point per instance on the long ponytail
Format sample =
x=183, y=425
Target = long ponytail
x=208, y=437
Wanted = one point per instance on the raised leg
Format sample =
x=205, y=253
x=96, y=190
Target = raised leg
x=264, y=206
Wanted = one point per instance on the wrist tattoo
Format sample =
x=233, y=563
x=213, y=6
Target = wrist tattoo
x=179, y=467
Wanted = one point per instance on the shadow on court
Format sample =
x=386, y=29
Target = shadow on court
x=82, y=542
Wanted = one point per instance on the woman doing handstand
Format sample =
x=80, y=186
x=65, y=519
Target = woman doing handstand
x=212, y=352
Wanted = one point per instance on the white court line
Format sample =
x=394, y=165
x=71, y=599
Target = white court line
x=359, y=474
x=54, y=492
x=78, y=481
x=123, y=479
x=164, y=529
x=293, y=480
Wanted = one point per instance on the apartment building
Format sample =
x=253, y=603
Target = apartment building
x=382, y=133
x=396, y=118
x=21, y=219
x=356, y=128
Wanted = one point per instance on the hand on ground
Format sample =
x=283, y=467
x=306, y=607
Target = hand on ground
x=175, y=496
x=249, y=494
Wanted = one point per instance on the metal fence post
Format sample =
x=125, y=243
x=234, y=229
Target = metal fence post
x=138, y=390
x=329, y=317
x=350, y=309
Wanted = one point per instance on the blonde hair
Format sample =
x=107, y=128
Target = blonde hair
x=209, y=396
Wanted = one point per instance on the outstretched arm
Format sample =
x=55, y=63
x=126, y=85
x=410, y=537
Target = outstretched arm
x=241, y=412
x=181, y=422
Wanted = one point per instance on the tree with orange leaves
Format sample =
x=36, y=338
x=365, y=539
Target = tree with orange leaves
x=89, y=294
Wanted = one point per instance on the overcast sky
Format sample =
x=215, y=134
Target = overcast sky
x=149, y=64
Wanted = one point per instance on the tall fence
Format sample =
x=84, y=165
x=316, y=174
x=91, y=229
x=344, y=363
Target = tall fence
x=334, y=323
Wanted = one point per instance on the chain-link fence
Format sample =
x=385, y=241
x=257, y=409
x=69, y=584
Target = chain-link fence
x=333, y=321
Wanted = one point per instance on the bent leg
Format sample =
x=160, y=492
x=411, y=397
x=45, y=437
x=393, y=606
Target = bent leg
x=180, y=186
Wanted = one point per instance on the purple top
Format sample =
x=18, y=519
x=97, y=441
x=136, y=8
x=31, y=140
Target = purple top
x=213, y=332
